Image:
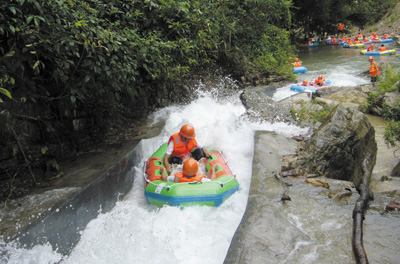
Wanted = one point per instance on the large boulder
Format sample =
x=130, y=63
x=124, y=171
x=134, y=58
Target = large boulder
x=339, y=146
x=261, y=106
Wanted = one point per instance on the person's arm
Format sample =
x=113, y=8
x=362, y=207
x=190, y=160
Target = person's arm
x=164, y=174
x=166, y=163
x=213, y=174
x=168, y=154
x=206, y=153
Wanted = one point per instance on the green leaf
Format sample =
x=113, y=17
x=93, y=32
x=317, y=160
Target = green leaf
x=13, y=10
x=29, y=19
x=5, y=92
x=73, y=99
x=44, y=150
x=10, y=54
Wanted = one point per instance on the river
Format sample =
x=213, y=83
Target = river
x=135, y=232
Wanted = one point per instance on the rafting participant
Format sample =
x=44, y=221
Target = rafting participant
x=333, y=40
x=310, y=42
x=374, y=36
x=297, y=63
x=373, y=70
x=343, y=38
x=382, y=48
x=340, y=27
x=181, y=145
x=359, y=36
x=371, y=47
x=320, y=80
x=356, y=41
x=305, y=83
x=190, y=173
x=365, y=39
x=349, y=42
x=386, y=36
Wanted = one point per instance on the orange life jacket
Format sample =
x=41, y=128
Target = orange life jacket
x=343, y=38
x=349, y=41
x=341, y=26
x=373, y=69
x=382, y=48
x=359, y=36
x=297, y=64
x=180, y=178
x=180, y=150
x=317, y=81
x=370, y=48
x=385, y=37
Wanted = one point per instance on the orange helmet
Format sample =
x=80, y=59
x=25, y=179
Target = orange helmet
x=190, y=167
x=297, y=59
x=187, y=131
x=372, y=45
x=305, y=82
x=320, y=76
x=370, y=58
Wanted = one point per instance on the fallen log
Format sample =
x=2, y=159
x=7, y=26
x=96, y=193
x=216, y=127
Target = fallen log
x=358, y=214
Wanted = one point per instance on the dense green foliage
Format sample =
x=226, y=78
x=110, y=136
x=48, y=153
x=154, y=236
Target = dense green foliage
x=315, y=17
x=73, y=71
x=63, y=55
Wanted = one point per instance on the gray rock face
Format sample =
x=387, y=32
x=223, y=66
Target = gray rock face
x=261, y=106
x=339, y=146
x=396, y=171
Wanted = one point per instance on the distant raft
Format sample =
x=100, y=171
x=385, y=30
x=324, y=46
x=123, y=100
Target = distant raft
x=300, y=69
x=379, y=53
x=212, y=193
x=330, y=42
x=313, y=44
x=382, y=40
x=310, y=88
x=353, y=46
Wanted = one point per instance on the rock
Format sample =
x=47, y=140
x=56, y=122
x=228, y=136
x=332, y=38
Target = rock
x=340, y=145
x=261, y=106
x=293, y=172
x=392, y=206
x=340, y=194
x=318, y=182
x=396, y=171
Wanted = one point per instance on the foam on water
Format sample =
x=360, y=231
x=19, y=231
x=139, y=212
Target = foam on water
x=135, y=232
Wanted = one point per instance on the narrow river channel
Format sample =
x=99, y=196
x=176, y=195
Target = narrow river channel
x=135, y=232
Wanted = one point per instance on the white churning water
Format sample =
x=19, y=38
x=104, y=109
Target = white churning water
x=135, y=232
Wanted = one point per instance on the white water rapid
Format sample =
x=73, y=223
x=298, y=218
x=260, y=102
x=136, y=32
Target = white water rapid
x=135, y=232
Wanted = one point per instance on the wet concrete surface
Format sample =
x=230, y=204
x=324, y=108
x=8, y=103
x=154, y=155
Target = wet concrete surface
x=90, y=185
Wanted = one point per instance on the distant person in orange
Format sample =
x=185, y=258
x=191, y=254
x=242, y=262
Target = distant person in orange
x=382, y=48
x=371, y=47
x=349, y=42
x=320, y=80
x=373, y=70
x=340, y=27
x=357, y=41
x=297, y=63
x=365, y=39
x=333, y=40
x=359, y=36
x=305, y=83
x=310, y=41
x=386, y=36
x=374, y=36
x=343, y=38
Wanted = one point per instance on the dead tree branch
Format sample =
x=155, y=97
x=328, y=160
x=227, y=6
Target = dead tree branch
x=358, y=214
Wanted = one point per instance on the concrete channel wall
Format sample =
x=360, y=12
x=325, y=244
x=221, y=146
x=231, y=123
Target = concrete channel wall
x=62, y=225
